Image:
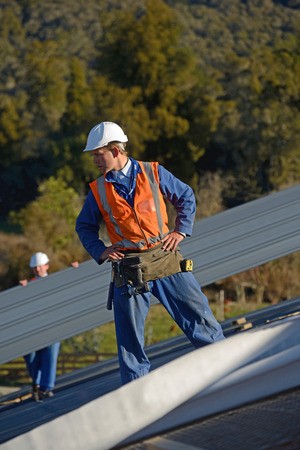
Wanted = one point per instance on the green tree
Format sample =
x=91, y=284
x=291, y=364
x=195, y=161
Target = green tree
x=39, y=44
x=257, y=138
x=80, y=105
x=251, y=50
x=46, y=75
x=149, y=78
x=12, y=100
x=48, y=222
x=199, y=86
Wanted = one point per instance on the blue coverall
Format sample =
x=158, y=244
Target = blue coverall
x=41, y=365
x=180, y=293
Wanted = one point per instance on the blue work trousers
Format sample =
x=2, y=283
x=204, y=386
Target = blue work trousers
x=41, y=366
x=182, y=297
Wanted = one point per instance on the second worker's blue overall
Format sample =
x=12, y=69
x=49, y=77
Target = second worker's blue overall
x=41, y=365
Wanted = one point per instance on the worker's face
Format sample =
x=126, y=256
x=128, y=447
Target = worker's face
x=41, y=271
x=105, y=159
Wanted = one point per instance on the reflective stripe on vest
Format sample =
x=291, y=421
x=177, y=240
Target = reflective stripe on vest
x=142, y=226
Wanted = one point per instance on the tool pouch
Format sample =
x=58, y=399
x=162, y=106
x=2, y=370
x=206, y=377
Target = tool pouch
x=137, y=268
x=155, y=263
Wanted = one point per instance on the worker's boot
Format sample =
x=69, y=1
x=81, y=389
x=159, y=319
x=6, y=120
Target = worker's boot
x=36, y=392
x=45, y=394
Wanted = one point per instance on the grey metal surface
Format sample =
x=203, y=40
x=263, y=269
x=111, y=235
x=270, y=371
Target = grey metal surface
x=62, y=305
x=246, y=236
x=82, y=386
x=251, y=365
x=269, y=424
x=269, y=372
x=74, y=300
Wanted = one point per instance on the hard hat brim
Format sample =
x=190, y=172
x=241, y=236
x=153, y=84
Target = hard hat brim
x=105, y=145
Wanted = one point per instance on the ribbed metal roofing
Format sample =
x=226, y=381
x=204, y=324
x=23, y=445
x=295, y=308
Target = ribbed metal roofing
x=272, y=423
x=72, y=301
x=91, y=410
x=184, y=388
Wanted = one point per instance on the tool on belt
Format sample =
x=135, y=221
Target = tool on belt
x=136, y=269
x=129, y=272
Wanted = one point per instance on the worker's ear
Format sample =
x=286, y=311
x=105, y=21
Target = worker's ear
x=115, y=151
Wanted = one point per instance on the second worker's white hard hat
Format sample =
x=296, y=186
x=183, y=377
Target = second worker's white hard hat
x=38, y=259
x=102, y=134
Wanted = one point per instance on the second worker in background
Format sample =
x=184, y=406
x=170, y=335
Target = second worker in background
x=41, y=364
x=129, y=198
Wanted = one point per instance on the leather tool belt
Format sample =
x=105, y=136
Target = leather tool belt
x=137, y=268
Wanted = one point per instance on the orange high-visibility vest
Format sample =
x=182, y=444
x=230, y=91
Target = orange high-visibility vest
x=139, y=227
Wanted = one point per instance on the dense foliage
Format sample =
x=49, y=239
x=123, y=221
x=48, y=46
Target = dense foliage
x=210, y=89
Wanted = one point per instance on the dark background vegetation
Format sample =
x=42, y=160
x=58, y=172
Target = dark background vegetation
x=210, y=89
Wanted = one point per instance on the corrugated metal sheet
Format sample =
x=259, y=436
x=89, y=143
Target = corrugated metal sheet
x=54, y=308
x=218, y=377
x=74, y=300
x=246, y=236
x=270, y=424
x=78, y=388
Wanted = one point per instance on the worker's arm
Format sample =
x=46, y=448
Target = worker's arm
x=87, y=228
x=182, y=197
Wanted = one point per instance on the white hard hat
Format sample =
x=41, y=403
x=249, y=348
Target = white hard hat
x=38, y=259
x=104, y=133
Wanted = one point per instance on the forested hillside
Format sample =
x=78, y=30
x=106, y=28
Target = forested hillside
x=211, y=89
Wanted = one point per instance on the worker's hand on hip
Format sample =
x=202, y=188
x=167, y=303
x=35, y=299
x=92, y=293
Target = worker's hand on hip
x=112, y=254
x=171, y=241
